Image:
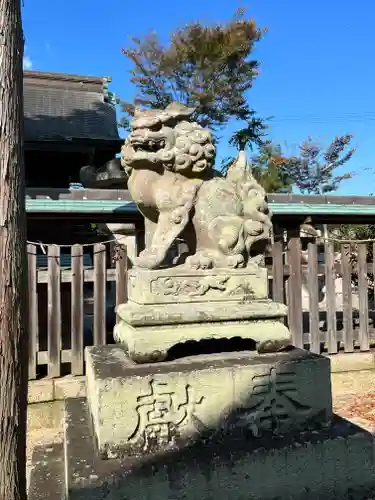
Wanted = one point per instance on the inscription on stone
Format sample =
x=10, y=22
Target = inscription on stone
x=161, y=411
x=275, y=402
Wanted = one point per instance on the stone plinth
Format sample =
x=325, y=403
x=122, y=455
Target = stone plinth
x=184, y=285
x=176, y=305
x=143, y=408
x=149, y=332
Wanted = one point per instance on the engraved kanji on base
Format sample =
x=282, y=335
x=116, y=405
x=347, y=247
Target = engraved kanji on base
x=274, y=403
x=161, y=411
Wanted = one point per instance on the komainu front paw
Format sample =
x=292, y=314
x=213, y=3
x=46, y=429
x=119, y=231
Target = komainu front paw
x=273, y=345
x=147, y=259
x=199, y=261
x=235, y=261
x=212, y=259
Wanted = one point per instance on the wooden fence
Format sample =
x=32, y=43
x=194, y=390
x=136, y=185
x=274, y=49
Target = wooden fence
x=60, y=300
x=49, y=299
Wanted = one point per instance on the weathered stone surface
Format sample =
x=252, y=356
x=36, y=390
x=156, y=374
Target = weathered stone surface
x=224, y=222
x=47, y=479
x=217, y=303
x=205, y=304
x=140, y=408
x=152, y=343
x=173, y=314
x=181, y=284
x=170, y=163
x=335, y=463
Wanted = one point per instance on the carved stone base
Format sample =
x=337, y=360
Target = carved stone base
x=148, y=315
x=181, y=284
x=148, y=333
x=176, y=305
x=143, y=408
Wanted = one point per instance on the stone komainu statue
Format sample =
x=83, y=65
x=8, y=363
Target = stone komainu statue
x=170, y=166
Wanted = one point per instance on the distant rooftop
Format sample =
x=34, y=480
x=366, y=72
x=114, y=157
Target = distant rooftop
x=61, y=107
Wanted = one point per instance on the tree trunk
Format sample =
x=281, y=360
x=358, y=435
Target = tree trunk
x=13, y=259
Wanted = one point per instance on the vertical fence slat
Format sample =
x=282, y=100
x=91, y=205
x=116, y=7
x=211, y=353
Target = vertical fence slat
x=295, y=288
x=277, y=272
x=121, y=275
x=313, y=286
x=347, y=308
x=77, y=310
x=100, y=280
x=33, y=310
x=54, y=311
x=363, y=297
x=330, y=275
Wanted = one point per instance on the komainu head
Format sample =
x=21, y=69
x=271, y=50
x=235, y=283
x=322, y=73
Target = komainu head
x=166, y=139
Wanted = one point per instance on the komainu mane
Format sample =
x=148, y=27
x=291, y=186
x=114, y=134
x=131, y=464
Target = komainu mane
x=170, y=164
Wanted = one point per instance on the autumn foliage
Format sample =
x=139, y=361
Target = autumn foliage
x=210, y=68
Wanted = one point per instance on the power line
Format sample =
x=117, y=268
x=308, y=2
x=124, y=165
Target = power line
x=344, y=117
x=345, y=114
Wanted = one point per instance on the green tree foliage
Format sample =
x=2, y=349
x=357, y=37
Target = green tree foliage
x=313, y=170
x=252, y=134
x=269, y=168
x=110, y=96
x=356, y=233
x=209, y=68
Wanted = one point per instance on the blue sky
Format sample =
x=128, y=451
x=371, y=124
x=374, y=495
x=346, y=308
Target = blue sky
x=317, y=60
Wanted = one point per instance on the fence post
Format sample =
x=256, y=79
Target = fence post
x=121, y=275
x=100, y=281
x=363, y=297
x=33, y=310
x=126, y=234
x=347, y=307
x=54, y=312
x=295, y=287
x=277, y=272
x=330, y=274
x=313, y=289
x=77, y=310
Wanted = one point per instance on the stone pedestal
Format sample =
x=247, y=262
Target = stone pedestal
x=160, y=406
x=172, y=306
x=229, y=427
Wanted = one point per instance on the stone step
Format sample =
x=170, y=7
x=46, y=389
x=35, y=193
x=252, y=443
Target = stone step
x=47, y=477
x=334, y=463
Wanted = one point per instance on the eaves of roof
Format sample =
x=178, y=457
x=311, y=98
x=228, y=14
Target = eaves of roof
x=121, y=206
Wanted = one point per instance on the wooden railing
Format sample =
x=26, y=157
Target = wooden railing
x=73, y=306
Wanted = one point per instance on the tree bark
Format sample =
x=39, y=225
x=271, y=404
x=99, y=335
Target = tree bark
x=13, y=259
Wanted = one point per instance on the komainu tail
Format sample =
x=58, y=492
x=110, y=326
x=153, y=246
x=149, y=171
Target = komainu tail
x=256, y=214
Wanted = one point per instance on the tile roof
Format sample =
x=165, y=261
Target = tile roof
x=61, y=107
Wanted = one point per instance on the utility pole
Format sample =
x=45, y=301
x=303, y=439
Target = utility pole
x=13, y=259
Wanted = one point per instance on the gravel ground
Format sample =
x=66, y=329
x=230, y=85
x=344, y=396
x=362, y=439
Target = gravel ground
x=354, y=397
